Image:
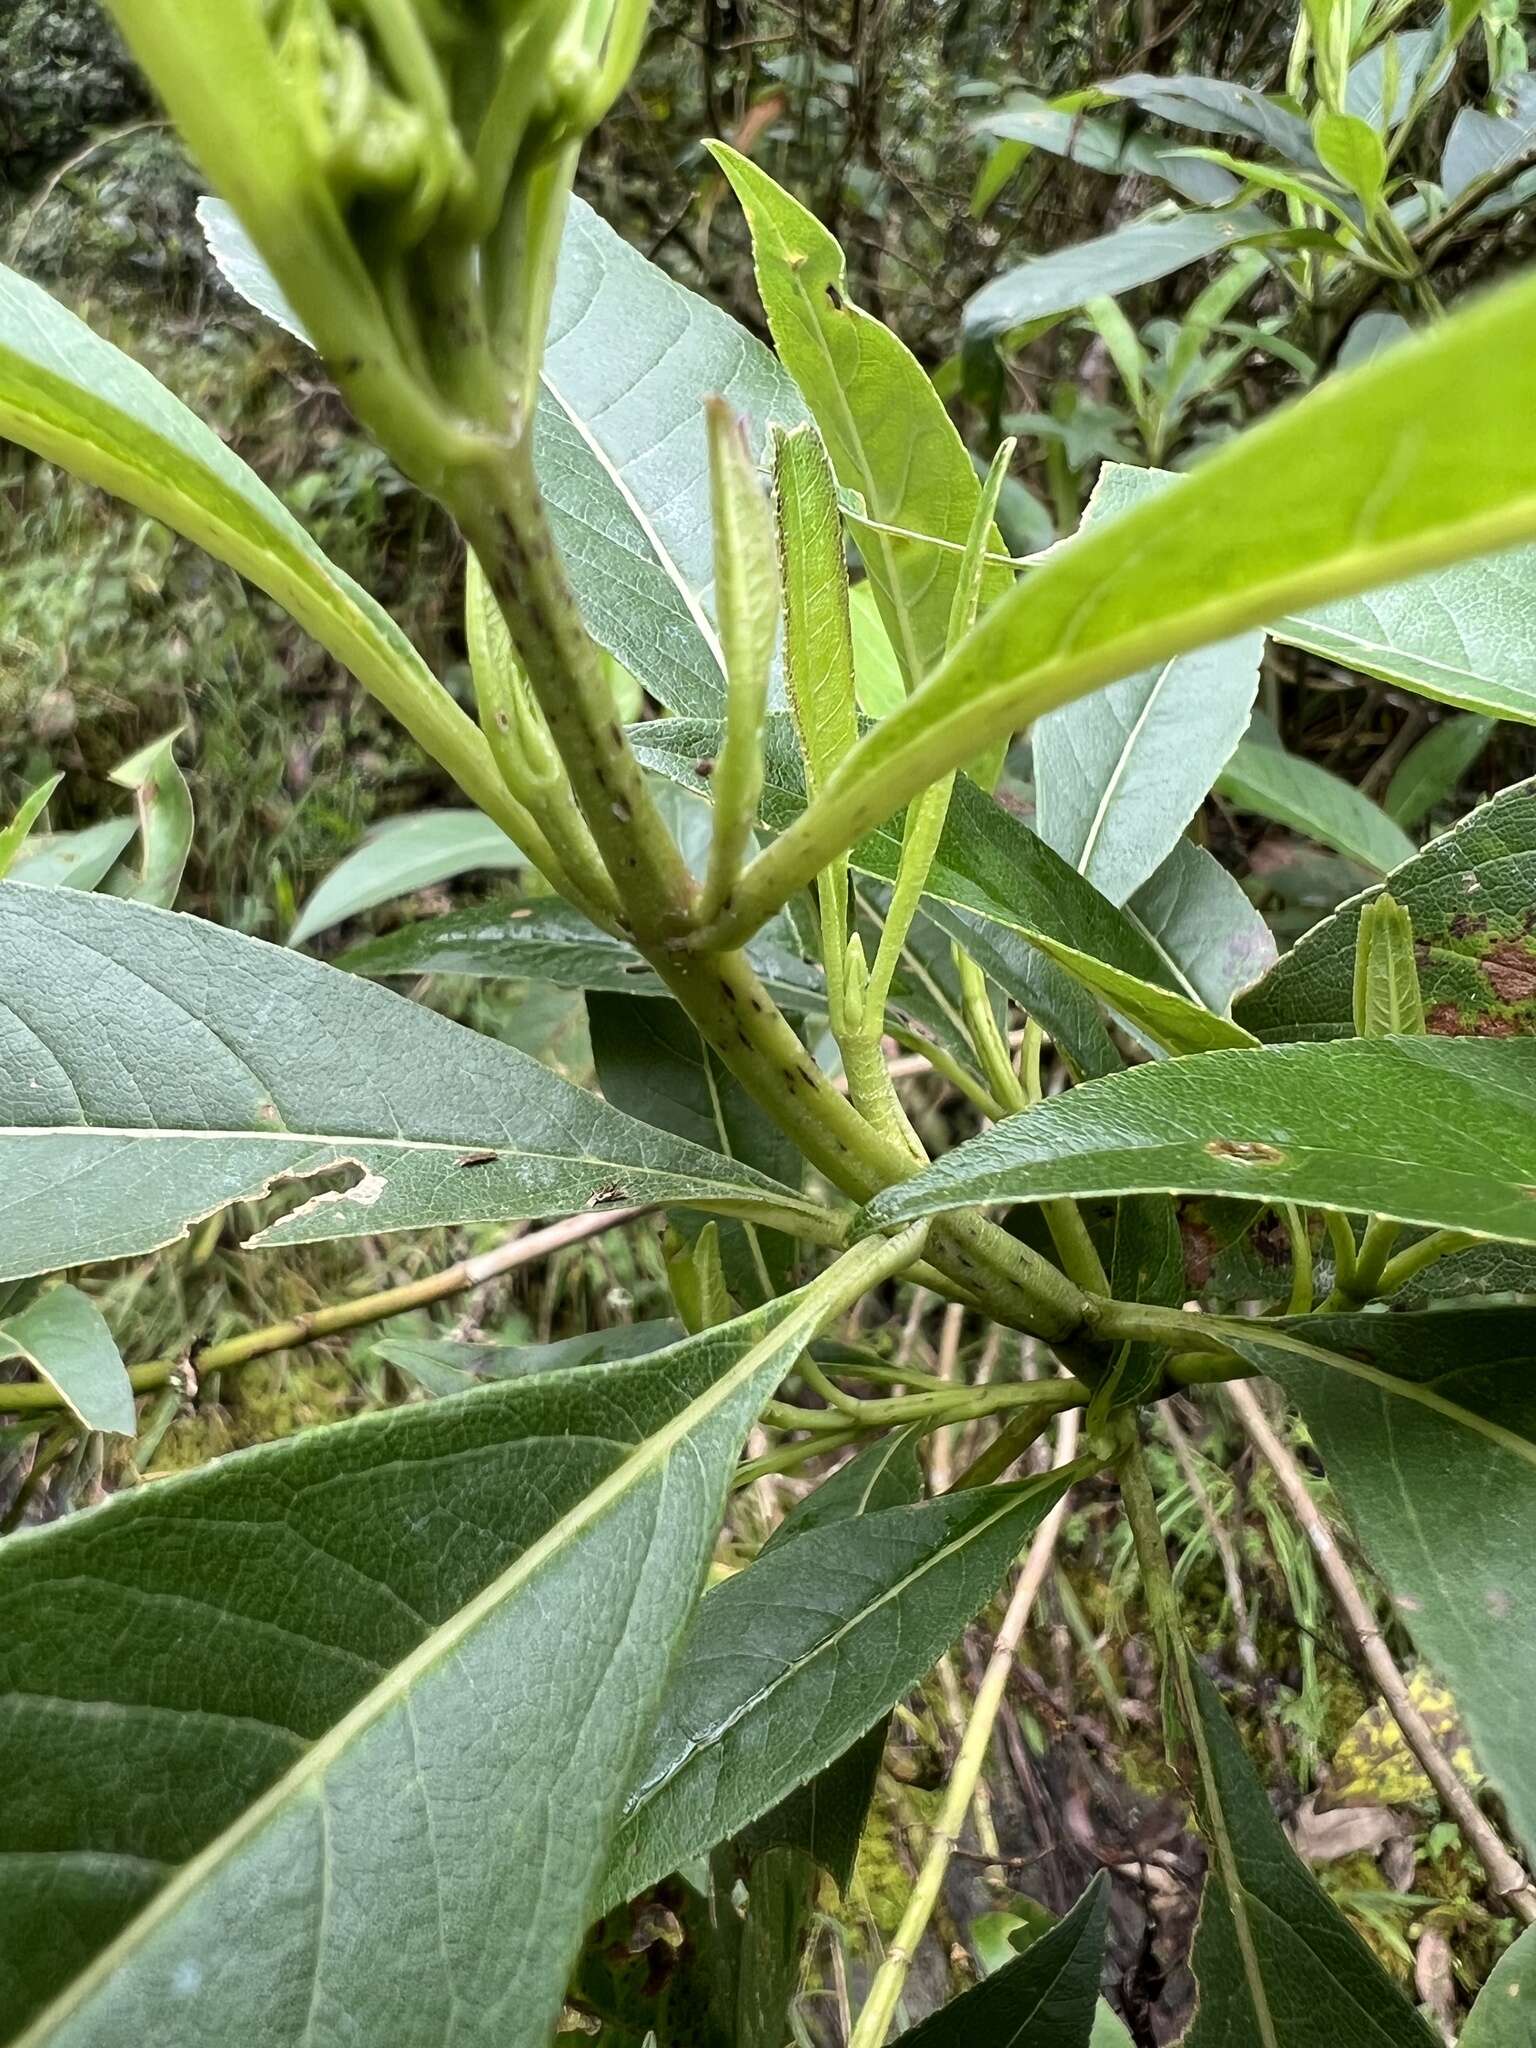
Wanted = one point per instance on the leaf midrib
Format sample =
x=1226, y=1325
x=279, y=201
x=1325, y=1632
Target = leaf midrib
x=307, y=1775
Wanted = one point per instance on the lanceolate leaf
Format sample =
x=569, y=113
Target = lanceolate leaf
x=1427, y=1426
x=1465, y=634
x=64, y=1336
x=1429, y=1130
x=1470, y=896
x=1219, y=106
x=15, y=834
x=1396, y=467
x=401, y=855
x=1139, y=253
x=380, y=1746
x=1261, y=776
x=619, y=442
x=547, y=940
x=1046, y=1997
x=1204, y=926
x=885, y=428
x=1120, y=773
x=1272, y=1951
x=825, y=1816
x=797, y=1656
x=216, y=1065
x=76, y=400
x=1170, y=1020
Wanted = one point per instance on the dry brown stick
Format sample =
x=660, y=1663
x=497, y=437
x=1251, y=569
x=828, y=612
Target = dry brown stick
x=885, y=1991
x=1507, y=1877
x=29, y=1397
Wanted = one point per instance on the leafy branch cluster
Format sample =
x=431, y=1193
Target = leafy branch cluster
x=461, y=1654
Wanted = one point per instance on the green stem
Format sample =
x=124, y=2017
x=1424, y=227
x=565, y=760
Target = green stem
x=1363, y=1283
x=1412, y=1261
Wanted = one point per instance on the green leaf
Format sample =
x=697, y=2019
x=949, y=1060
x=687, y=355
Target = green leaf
x=1487, y=146
x=296, y=1646
x=1168, y=1019
x=1120, y=773
x=652, y=1064
x=1469, y=896
x=15, y=835
x=1428, y=1130
x=1046, y=1997
x=1261, y=776
x=876, y=671
x=1406, y=55
x=1289, y=514
x=825, y=1816
x=818, y=630
x=1139, y=253
x=1101, y=144
x=1218, y=106
x=403, y=855
x=1204, y=926
x=72, y=860
x=446, y=1366
x=63, y=1336
x=793, y=1659
x=163, y=804
x=620, y=445
x=216, y=1065
x=1353, y=151
x=1427, y=1426
x=1272, y=1951
x=1433, y=768
x=885, y=428
x=1387, y=1001
x=76, y=400
x=1501, y=2018
x=546, y=940
x=1464, y=635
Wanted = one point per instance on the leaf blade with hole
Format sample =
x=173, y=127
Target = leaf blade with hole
x=191, y=1093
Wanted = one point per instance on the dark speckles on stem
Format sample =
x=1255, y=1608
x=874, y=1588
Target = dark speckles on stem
x=757, y=1005
x=615, y=737
x=728, y=992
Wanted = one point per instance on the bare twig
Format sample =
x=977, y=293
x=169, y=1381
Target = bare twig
x=29, y=1397
x=1506, y=1876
